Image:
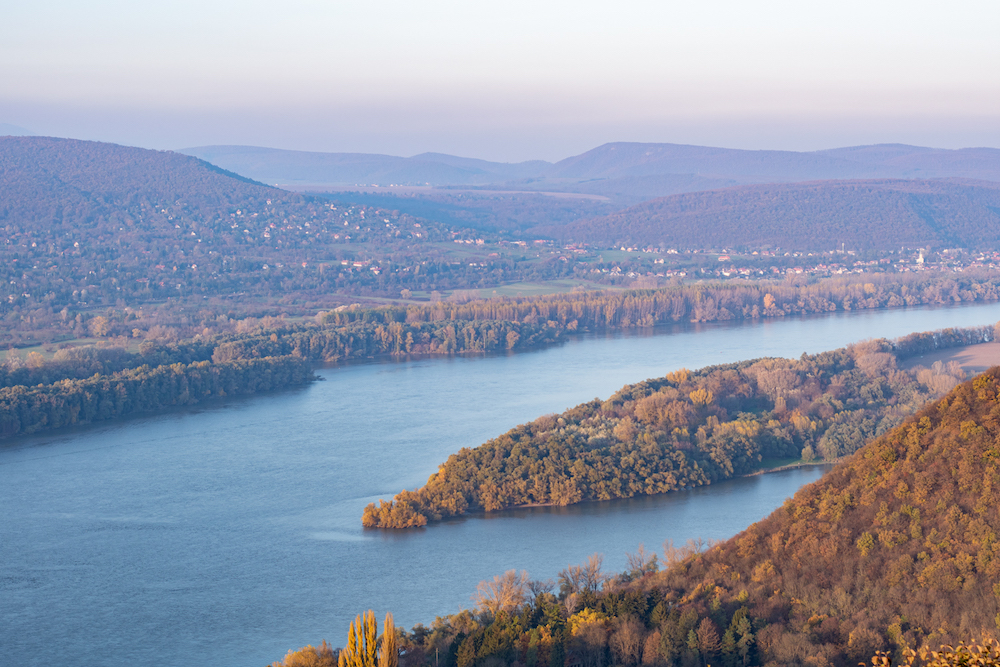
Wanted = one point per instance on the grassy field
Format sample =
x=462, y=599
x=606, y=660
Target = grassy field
x=48, y=350
x=539, y=289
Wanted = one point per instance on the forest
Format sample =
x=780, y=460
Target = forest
x=29, y=409
x=688, y=429
x=86, y=384
x=889, y=556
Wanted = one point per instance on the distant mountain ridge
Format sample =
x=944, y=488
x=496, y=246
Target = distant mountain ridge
x=628, y=172
x=286, y=167
x=881, y=214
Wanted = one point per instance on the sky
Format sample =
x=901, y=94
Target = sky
x=510, y=81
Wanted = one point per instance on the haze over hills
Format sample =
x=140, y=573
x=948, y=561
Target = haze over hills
x=8, y=130
x=304, y=168
x=626, y=172
x=861, y=214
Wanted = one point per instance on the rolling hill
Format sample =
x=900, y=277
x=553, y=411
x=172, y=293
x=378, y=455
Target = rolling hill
x=88, y=224
x=47, y=181
x=617, y=160
x=625, y=172
x=862, y=214
x=304, y=168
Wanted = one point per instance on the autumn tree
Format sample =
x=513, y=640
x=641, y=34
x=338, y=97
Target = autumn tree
x=586, y=577
x=505, y=592
x=362, y=643
x=388, y=652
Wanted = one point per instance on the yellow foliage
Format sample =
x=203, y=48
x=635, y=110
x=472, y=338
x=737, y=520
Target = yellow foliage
x=585, y=617
x=309, y=656
x=701, y=397
x=679, y=376
x=986, y=654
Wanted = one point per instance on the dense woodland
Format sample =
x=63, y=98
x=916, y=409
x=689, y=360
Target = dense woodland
x=822, y=215
x=894, y=550
x=25, y=410
x=688, y=429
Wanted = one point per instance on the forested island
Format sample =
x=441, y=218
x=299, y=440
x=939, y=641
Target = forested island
x=889, y=556
x=688, y=429
x=78, y=385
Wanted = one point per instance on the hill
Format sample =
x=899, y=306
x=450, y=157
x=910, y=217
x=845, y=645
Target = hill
x=93, y=224
x=302, y=168
x=896, y=546
x=862, y=215
x=626, y=172
x=64, y=182
x=630, y=172
x=616, y=160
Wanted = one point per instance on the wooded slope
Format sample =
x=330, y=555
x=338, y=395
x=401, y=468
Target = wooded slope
x=822, y=215
x=897, y=545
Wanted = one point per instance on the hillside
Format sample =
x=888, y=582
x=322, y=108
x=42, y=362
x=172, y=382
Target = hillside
x=89, y=224
x=822, y=215
x=64, y=182
x=898, y=544
x=616, y=160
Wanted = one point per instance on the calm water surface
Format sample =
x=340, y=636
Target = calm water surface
x=231, y=534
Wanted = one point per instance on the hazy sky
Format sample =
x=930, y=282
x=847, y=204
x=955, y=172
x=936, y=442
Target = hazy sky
x=509, y=80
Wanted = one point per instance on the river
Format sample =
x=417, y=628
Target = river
x=230, y=534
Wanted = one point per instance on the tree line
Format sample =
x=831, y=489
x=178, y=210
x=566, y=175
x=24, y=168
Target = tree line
x=95, y=383
x=26, y=409
x=708, y=302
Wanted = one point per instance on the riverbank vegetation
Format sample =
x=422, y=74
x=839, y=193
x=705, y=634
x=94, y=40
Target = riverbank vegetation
x=891, y=553
x=34, y=394
x=701, y=302
x=688, y=429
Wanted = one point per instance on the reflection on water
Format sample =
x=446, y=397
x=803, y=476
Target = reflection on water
x=230, y=534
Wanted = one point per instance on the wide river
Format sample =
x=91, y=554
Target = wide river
x=230, y=534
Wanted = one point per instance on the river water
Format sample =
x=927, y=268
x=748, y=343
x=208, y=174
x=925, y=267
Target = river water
x=230, y=534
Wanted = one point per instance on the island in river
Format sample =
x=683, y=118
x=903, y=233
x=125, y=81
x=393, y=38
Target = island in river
x=688, y=429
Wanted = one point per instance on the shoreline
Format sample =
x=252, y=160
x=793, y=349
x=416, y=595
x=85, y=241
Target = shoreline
x=791, y=466
x=761, y=471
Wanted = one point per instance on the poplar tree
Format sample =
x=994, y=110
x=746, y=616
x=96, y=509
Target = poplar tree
x=362, y=643
x=389, y=654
